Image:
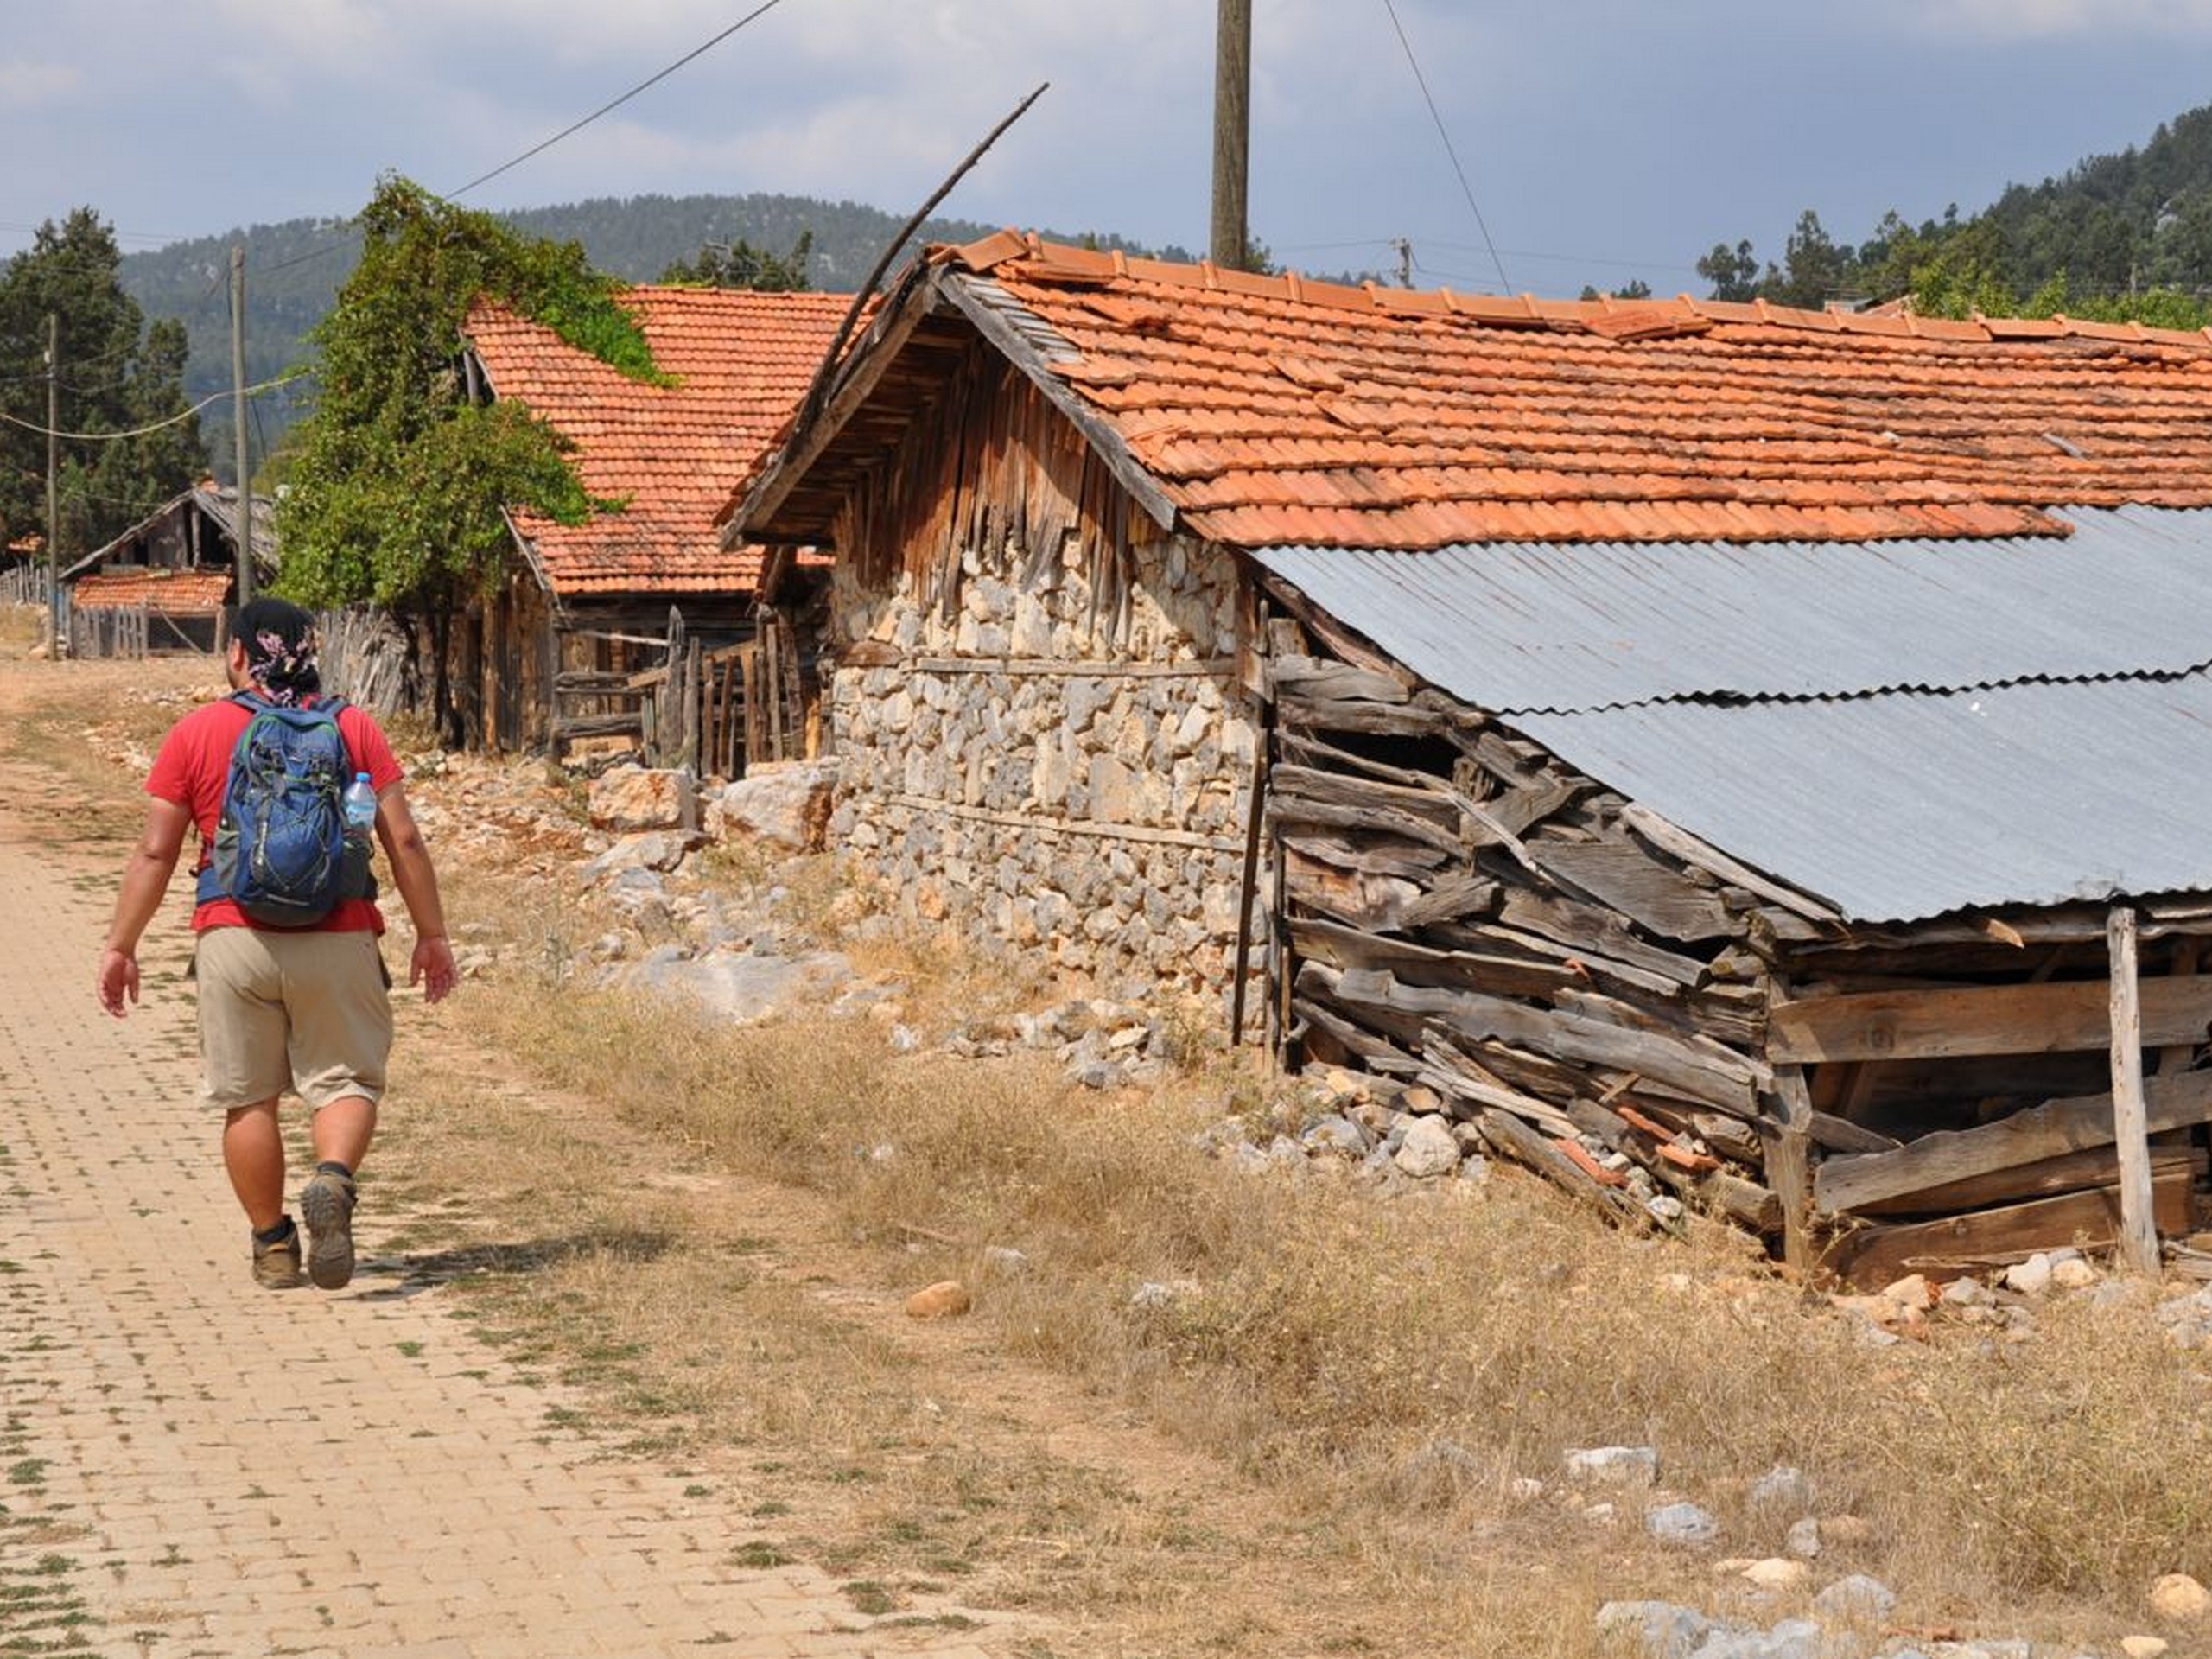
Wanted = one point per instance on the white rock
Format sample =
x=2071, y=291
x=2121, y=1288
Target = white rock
x=1785, y=1486
x=1857, y=1598
x=1804, y=1539
x=1430, y=1149
x=1626, y=1466
x=2142, y=1647
x=631, y=798
x=2180, y=1598
x=1681, y=1523
x=788, y=804
x=2075, y=1274
x=2030, y=1277
x=1778, y=1572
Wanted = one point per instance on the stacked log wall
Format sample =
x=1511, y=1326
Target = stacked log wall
x=1468, y=915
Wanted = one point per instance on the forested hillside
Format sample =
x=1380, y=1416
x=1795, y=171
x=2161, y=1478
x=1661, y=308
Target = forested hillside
x=294, y=272
x=2126, y=235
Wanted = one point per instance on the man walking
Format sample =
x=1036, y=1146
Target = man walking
x=302, y=1007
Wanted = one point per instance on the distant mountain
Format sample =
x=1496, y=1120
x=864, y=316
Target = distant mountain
x=294, y=272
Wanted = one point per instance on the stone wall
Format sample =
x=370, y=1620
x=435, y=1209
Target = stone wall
x=1047, y=780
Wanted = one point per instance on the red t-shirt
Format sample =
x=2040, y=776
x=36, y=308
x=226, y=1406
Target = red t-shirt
x=193, y=767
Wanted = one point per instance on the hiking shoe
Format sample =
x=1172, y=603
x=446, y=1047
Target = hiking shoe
x=276, y=1261
x=327, y=1207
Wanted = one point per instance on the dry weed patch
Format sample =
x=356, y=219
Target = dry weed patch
x=1331, y=1342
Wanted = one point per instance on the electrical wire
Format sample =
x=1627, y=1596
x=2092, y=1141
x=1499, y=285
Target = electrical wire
x=765, y=7
x=1436, y=116
x=141, y=431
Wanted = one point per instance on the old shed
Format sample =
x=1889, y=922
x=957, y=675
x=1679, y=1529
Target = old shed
x=570, y=643
x=166, y=583
x=1764, y=750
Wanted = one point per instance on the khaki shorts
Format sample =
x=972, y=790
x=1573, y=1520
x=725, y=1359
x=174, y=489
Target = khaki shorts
x=303, y=1011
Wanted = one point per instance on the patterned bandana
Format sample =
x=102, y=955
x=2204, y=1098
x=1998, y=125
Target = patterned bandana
x=285, y=669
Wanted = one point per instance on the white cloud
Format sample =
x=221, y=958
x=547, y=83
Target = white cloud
x=2015, y=20
x=29, y=83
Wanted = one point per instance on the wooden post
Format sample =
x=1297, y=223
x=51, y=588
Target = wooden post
x=1788, y=1140
x=2139, y=1231
x=1232, y=130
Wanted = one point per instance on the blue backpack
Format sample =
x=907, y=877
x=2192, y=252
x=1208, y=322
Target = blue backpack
x=281, y=853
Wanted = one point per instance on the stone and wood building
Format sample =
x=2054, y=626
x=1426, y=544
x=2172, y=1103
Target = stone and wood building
x=1767, y=748
x=580, y=637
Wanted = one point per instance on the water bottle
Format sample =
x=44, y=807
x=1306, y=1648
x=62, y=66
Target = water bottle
x=360, y=802
x=360, y=799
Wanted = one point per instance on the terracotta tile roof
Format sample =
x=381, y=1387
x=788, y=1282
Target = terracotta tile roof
x=178, y=592
x=1280, y=412
x=742, y=361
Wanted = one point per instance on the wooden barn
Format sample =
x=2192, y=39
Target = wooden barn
x=572, y=641
x=1772, y=748
x=168, y=582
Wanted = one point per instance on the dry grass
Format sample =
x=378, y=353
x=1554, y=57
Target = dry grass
x=1325, y=1338
x=702, y=1241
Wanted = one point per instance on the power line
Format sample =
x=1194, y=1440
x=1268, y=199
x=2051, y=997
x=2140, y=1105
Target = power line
x=141, y=431
x=605, y=109
x=1436, y=116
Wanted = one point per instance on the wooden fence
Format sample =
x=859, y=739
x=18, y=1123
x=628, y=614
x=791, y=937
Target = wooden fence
x=716, y=711
x=24, y=585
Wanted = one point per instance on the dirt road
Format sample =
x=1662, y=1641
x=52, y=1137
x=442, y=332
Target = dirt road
x=192, y=1466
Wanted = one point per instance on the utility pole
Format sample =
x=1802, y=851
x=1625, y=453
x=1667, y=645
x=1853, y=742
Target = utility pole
x=53, y=486
x=1232, y=130
x=1405, y=247
x=237, y=422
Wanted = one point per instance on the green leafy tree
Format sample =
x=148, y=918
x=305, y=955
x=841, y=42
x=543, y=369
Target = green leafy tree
x=1814, y=268
x=1733, y=272
x=740, y=264
x=117, y=376
x=398, y=481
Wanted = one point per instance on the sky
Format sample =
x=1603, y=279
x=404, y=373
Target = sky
x=1592, y=143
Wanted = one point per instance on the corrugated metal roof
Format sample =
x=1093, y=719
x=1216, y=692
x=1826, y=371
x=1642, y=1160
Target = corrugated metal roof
x=1903, y=806
x=1902, y=730
x=1522, y=626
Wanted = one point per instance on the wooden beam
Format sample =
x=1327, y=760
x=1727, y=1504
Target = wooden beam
x=2069, y=1172
x=1789, y=1135
x=2025, y=1137
x=1875, y=1255
x=2046, y=1019
x=2139, y=1232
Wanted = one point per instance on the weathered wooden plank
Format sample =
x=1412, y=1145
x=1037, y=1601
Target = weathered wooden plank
x=1356, y=714
x=1489, y=936
x=2138, y=1234
x=1449, y=899
x=1365, y=901
x=1719, y=1077
x=1587, y=927
x=1285, y=809
x=1311, y=783
x=1787, y=1136
x=1511, y=1138
x=1667, y=837
x=1459, y=1076
x=1842, y=1134
x=1629, y=879
x=2069, y=1172
x=1416, y=864
x=2025, y=1137
x=1323, y=677
x=1346, y=947
x=1377, y=1053
x=1985, y=1020
x=1877, y=1255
